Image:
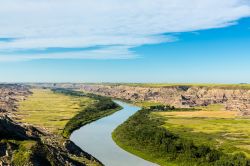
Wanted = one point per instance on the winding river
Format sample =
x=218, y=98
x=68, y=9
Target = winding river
x=95, y=138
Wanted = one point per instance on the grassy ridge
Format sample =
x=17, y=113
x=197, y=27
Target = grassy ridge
x=143, y=135
x=102, y=107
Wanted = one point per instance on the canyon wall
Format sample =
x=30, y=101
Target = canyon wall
x=10, y=94
x=178, y=96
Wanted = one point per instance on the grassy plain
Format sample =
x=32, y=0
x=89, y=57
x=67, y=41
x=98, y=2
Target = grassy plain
x=216, y=127
x=50, y=110
x=155, y=85
x=146, y=104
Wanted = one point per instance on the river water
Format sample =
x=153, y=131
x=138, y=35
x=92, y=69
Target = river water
x=96, y=139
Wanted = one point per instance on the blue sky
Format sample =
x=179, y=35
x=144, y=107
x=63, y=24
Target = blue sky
x=131, y=42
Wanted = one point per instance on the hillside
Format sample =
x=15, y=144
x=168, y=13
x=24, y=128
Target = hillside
x=233, y=98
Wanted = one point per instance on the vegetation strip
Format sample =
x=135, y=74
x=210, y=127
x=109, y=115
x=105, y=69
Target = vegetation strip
x=102, y=107
x=144, y=135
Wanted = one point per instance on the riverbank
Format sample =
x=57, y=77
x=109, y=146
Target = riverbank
x=96, y=138
x=101, y=107
x=143, y=135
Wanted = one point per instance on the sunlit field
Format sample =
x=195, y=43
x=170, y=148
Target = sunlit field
x=159, y=85
x=221, y=129
x=50, y=110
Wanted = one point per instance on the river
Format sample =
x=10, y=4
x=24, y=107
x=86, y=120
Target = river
x=96, y=139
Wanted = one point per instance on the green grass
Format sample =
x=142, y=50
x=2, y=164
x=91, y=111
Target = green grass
x=146, y=103
x=211, y=107
x=142, y=154
x=50, y=110
x=23, y=155
x=219, y=129
x=85, y=117
x=103, y=106
x=223, y=86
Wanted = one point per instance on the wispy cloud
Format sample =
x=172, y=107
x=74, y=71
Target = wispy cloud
x=88, y=23
x=111, y=52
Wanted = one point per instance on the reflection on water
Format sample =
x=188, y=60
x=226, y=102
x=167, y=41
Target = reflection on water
x=96, y=139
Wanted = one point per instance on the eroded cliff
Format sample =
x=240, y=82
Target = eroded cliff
x=179, y=96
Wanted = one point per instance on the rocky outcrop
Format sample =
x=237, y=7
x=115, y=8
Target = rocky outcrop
x=10, y=94
x=23, y=144
x=47, y=149
x=10, y=129
x=6, y=152
x=179, y=96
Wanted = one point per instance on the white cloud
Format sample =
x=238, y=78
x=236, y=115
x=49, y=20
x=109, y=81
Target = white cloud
x=111, y=52
x=83, y=23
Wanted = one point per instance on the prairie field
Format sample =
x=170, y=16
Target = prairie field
x=221, y=129
x=50, y=110
x=158, y=85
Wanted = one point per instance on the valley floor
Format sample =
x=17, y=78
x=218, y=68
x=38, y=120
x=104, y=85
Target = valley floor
x=220, y=129
x=50, y=110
